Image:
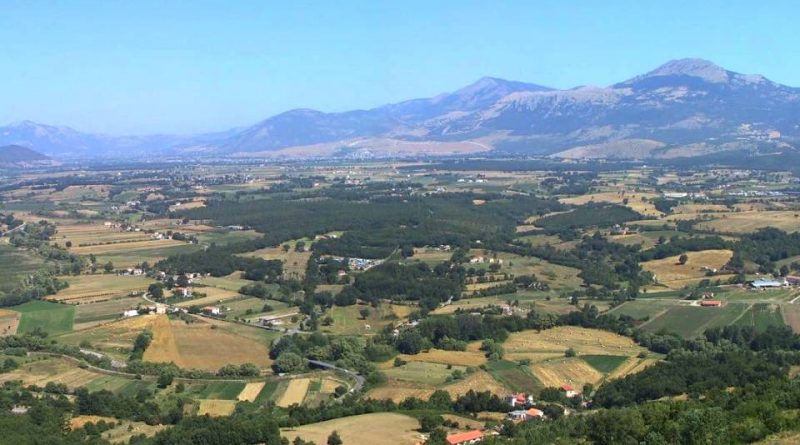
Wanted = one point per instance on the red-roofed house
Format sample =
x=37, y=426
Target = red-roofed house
x=569, y=391
x=711, y=303
x=517, y=399
x=469, y=437
x=534, y=413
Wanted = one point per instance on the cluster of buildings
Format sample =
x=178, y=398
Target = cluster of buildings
x=772, y=284
x=157, y=309
x=479, y=180
x=357, y=263
x=482, y=259
x=682, y=195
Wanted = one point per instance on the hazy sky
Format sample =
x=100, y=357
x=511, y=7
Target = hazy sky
x=178, y=67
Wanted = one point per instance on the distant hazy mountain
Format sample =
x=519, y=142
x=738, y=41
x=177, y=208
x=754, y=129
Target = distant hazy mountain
x=685, y=107
x=64, y=142
x=15, y=155
x=306, y=127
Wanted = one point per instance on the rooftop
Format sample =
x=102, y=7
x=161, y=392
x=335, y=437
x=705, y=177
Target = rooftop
x=454, y=439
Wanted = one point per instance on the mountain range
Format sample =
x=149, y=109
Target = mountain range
x=686, y=107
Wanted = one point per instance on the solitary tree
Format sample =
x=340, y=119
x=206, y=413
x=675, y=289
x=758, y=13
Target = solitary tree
x=683, y=259
x=109, y=267
x=334, y=439
x=156, y=291
x=364, y=311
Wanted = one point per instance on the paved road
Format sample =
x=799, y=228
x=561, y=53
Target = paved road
x=359, y=379
x=19, y=227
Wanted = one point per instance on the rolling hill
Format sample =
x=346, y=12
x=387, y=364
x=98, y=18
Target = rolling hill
x=15, y=155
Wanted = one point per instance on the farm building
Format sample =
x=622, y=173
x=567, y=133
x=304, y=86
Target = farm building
x=793, y=280
x=468, y=437
x=182, y=292
x=711, y=303
x=130, y=313
x=767, y=284
x=518, y=399
x=534, y=413
x=518, y=415
x=569, y=391
x=529, y=414
x=212, y=310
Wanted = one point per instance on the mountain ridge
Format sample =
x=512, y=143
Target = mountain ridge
x=681, y=103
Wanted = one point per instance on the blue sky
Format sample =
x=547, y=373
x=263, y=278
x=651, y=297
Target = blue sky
x=193, y=66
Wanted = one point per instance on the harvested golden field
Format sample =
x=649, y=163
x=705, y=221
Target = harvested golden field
x=295, y=392
x=556, y=276
x=635, y=202
x=56, y=370
x=9, y=321
x=465, y=422
x=214, y=296
x=89, y=288
x=750, y=221
x=456, y=358
x=80, y=421
x=216, y=408
x=199, y=345
x=431, y=255
x=294, y=263
x=194, y=204
x=477, y=381
x=784, y=438
x=565, y=371
x=669, y=272
x=791, y=316
x=700, y=208
x=469, y=288
x=82, y=234
x=126, y=247
x=541, y=346
x=80, y=192
x=251, y=391
x=232, y=282
x=632, y=366
x=366, y=429
x=116, y=336
x=329, y=385
x=466, y=303
x=398, y=393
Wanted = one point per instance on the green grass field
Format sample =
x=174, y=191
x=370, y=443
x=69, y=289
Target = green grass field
x=421, y=372
x=267, y=392
x=641, y=309
x=690, y=321
x=222, y=390
x=15, y=264
x=105, y=310
x=238, y=308
x=605, y=363
x=761, y=316
x=52, y=318
x=131, y=258
x=514, y=376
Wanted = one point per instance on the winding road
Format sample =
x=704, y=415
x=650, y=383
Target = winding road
x=360, y=381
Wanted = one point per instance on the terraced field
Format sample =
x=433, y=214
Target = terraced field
x=101, y=287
